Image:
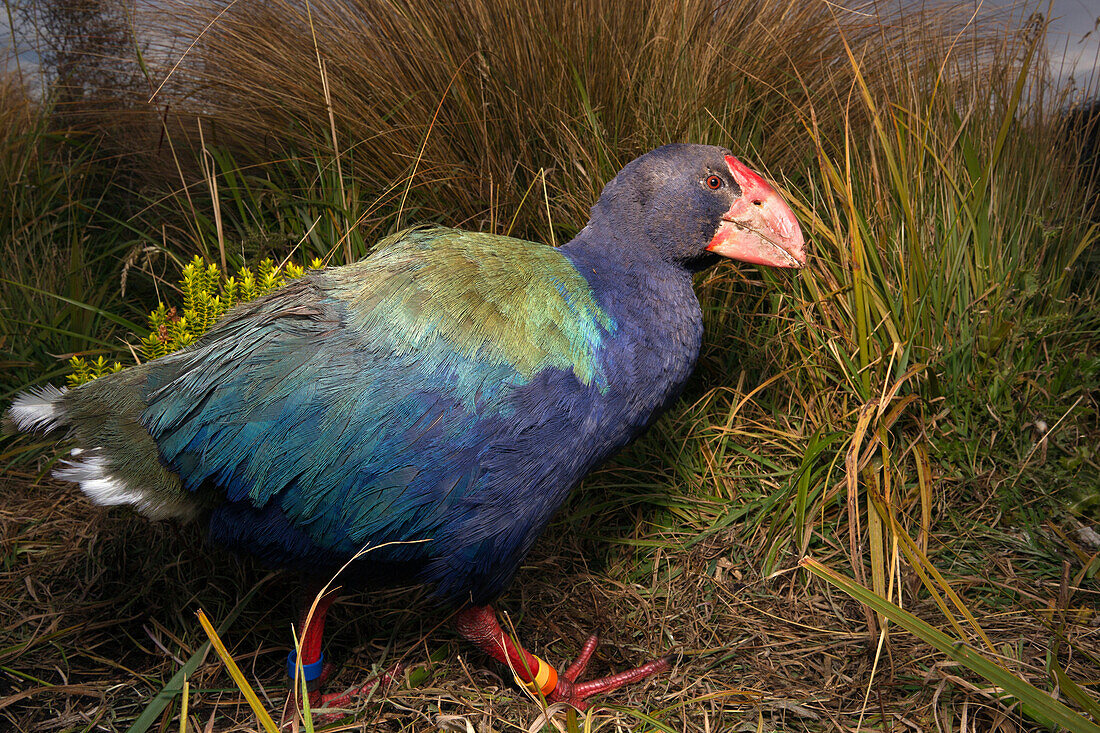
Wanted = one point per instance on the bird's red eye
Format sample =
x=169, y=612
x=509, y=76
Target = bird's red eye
x=714, y=182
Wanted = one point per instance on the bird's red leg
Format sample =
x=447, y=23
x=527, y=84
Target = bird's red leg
x=479, y=625
x=314, y=630
x=316, y=670
x=313, y=666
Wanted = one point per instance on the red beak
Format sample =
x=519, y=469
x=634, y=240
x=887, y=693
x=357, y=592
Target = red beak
x=759, y=228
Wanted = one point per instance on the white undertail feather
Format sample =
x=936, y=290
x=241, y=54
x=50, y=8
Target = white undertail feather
x=108, y=490
x=37, y=409
x=100, y=486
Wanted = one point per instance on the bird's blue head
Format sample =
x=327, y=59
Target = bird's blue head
x=691, y=202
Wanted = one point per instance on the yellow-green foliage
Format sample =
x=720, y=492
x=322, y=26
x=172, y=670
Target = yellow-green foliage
x=86, y=371
x=207, y=295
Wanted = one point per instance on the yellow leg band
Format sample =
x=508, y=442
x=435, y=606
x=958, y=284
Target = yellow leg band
x=546, y=678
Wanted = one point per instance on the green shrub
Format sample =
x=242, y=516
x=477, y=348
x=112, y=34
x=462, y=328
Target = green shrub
x=207, y=296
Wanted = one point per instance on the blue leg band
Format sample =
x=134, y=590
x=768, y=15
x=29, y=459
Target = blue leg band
x=310, y=671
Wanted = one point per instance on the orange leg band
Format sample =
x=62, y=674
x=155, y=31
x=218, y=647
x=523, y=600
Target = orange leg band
x=546, y=678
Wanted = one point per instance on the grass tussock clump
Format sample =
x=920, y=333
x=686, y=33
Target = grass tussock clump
x=510, y=116
x=17, y=111
x=62, y=236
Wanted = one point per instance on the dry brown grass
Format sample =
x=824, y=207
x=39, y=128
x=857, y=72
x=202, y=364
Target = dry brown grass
x=17, y=111
x=470, y=102
x=98, y=610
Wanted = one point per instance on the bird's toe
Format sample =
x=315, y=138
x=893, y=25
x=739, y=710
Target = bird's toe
x=575, y=693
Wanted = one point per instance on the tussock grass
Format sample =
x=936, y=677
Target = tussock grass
x=17, y=111
x=456, y=110
x=948, y=264
x=913, y=409
x=60, y=239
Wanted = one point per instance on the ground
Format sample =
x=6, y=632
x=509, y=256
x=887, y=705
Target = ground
x=99, y=613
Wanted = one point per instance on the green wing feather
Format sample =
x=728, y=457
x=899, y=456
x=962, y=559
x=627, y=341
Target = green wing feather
x=490, y=298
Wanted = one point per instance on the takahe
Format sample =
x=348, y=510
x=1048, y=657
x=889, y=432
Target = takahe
x=435, y=402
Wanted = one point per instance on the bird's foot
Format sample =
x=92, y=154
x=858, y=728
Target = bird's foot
x=479, y=625
x=320, y=703
x=356, y=694
x=568, y=690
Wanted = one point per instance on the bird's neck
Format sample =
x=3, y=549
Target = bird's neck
x=602, y=242
x=658, y=326
x=631, y=247
x=644, y=294
x=622, y=265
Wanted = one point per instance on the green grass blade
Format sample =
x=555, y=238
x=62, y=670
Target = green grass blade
x=1042, y=706
x=125, y=323
x=1073, y=690
x=638, y=714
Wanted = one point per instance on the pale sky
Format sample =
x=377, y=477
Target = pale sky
x=1073, y=39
